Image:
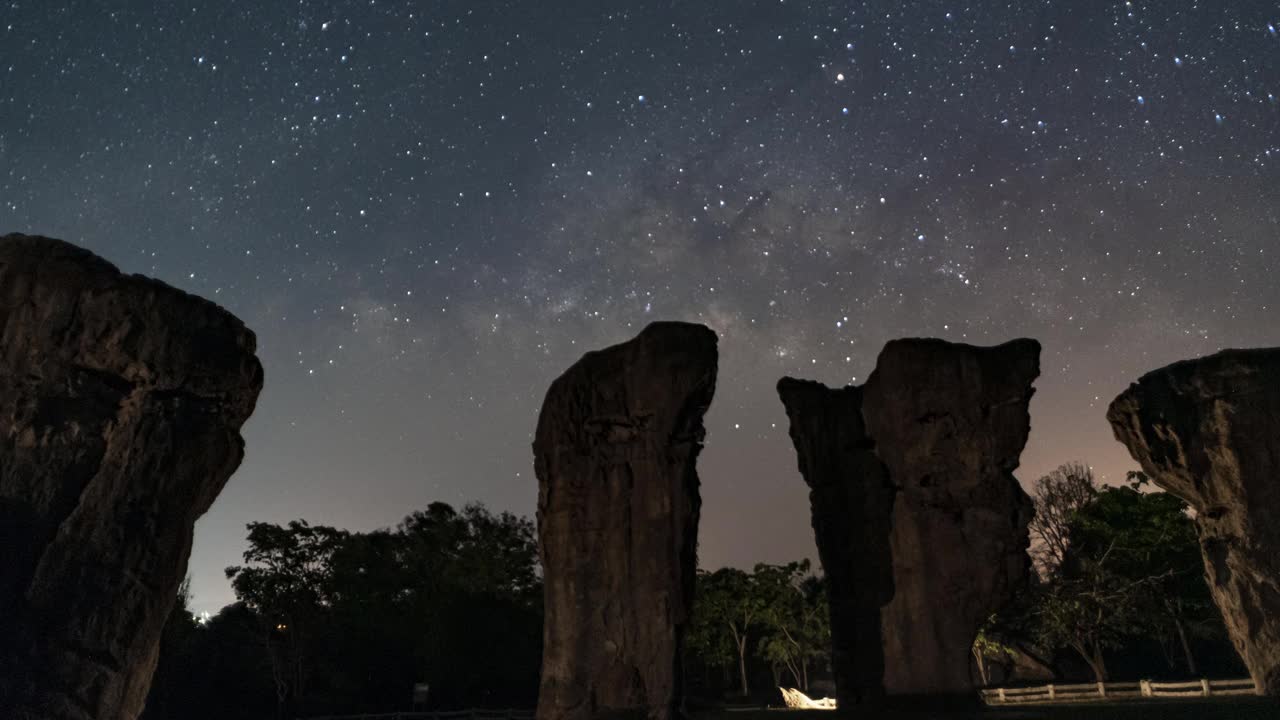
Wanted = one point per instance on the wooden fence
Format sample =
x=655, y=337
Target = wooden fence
x=473, y=714
x=1096, y=692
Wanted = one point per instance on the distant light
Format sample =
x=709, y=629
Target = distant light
x=1177, y=61
x=850, y=45
x=844, y=111
x=839, y=77
x=640, y=98
x=1142, y=100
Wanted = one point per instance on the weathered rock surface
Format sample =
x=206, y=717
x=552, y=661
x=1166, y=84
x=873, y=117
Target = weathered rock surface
x=615, y=454
x=1208, y=431
x=920, y=525
x=851, y=498
x=121, y=401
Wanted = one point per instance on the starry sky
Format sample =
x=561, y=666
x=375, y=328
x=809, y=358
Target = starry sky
x=427, y=210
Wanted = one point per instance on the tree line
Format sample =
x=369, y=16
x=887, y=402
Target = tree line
x=330, y=621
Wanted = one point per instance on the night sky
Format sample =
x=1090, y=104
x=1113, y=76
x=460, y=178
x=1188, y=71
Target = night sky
x=428, y=210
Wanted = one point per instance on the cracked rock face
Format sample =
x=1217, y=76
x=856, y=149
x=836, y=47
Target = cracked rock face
x=920, y=525
x=615, y=454
x=121, y=401
x=1208, y=431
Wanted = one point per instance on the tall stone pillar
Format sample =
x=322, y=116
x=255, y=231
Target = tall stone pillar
x=121, y=402
x=1208, y=431
x=615, y=454
x=920, y=524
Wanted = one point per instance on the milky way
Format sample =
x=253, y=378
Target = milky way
x=427, y=211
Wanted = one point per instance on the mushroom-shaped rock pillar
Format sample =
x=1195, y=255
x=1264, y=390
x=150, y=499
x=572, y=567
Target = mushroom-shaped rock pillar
x=121, y=402
x=615, y=454
x=920, y=524
x=1208, y=431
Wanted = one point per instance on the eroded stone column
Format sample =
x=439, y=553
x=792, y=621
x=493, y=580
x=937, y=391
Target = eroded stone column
x=615, y=455
x=121, y=402
x=851, y=501
x=1208, y=431
x=920, y=523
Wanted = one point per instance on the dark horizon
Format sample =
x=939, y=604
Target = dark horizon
x=426, y=214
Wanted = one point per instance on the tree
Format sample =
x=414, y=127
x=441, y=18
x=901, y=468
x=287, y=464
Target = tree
x=1153, y=544
x=352, y=620
x=731, y=597
x=472, y=586
x=1117, y=563
x=212, y=670
x=1088, y=608
x=987, y=647
x=705, y=639
x=285, y=581
x=1057, y=497
x=795, y=623
x=778, y=611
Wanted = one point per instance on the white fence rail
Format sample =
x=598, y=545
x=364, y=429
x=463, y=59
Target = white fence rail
x=474, y=714
x=1095, y=692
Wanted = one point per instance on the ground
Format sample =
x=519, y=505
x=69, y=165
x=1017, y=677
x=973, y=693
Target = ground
x=1247, y=708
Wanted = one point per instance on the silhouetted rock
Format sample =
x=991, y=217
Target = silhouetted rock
x=121, y=401
x=615, y=453
x=851, y=498
x=1208, y=431
x=919, y=522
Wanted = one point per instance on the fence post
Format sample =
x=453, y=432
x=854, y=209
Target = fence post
x=1051, y=695
x=1146, y=688
x=1102, y=689
x=1000, y=692
x=1204, y=683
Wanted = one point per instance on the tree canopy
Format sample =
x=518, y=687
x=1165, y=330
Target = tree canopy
x=348, y=622
x=1116, y=566
x=776, y=614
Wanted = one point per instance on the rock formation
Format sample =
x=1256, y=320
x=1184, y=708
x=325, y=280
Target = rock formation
x=121, y=401
x=1208, y=431
x=920, y=525
x=851, y=498
x=615, y=454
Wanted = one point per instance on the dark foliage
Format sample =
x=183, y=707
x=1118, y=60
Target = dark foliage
x=1120, y=591
x=332, y=621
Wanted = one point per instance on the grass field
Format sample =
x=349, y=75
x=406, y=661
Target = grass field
x=1247, y=708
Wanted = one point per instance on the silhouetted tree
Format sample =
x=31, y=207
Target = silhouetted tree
x=730, y=598
x=1116, y=565
x=1151, y=541
x=286, y=581
x=1057, y=497
x=351, y=620
x=795, y=624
